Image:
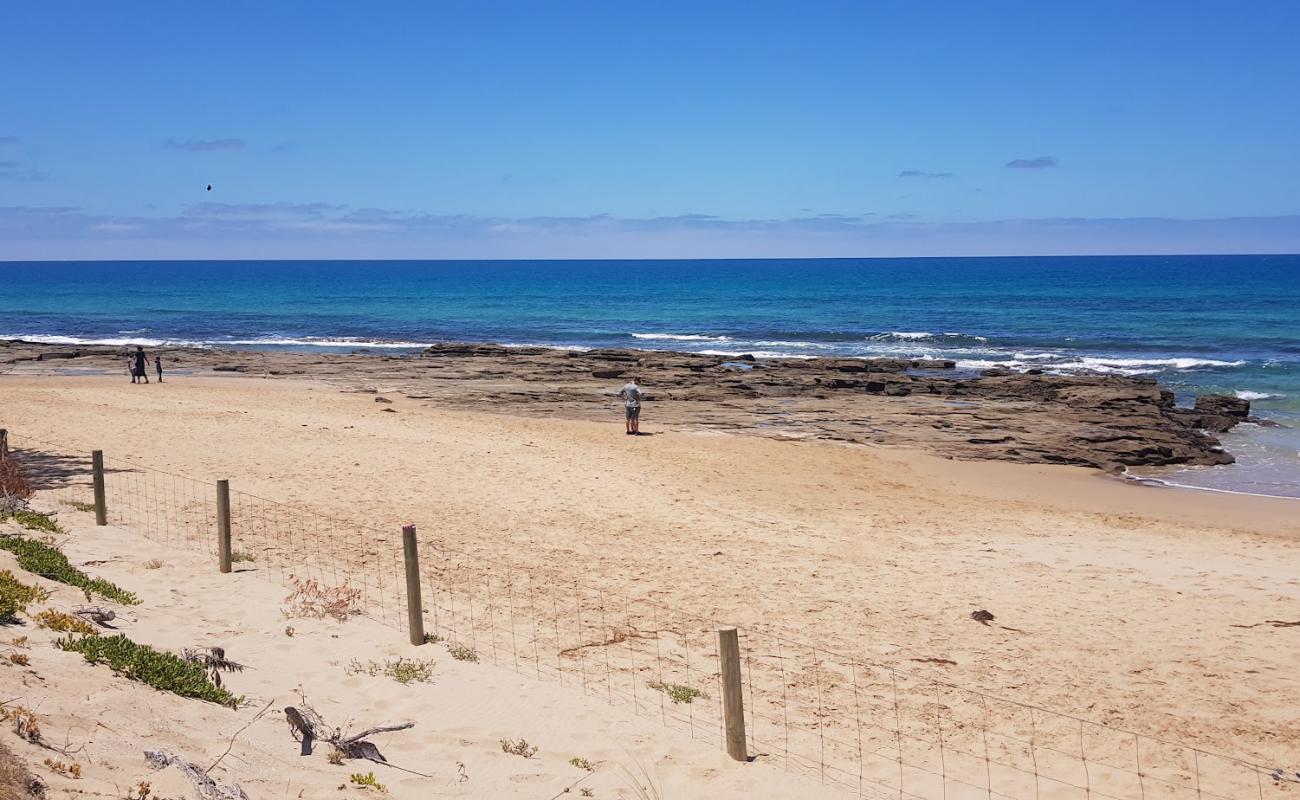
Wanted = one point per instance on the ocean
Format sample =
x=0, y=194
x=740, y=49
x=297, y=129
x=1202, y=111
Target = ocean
x=1228, y=324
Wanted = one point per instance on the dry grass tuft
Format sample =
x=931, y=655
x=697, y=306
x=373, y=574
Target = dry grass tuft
x=16, y=783
x=310, y=599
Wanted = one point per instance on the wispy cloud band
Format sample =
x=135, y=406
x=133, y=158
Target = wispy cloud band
x=321, y=230
x=204, y=145
x=1038, y=162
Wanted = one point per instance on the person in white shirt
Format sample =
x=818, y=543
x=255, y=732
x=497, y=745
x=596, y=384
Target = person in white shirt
x=631, y=394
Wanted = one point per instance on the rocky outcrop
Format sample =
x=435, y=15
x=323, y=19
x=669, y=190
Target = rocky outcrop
x=1222, y=405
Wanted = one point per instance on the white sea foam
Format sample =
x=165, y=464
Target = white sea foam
x=1246, y=394
x=797, y=345
x=754, y=353
x=907, y=336
x=568, y=348
x=110, y=341
x=681, y=337
x=311, y=341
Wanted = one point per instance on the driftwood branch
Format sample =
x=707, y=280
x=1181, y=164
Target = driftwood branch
x=307, y=727
x=206, y=788
x=230, y=745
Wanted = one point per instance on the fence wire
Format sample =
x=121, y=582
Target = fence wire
x=868, y=729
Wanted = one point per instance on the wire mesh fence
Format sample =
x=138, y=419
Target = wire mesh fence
x=870, y=730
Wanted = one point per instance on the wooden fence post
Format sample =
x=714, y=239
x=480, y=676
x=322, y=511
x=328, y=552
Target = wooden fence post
x=733, y=698
x=414, y=606
x=4, y=443
x=97, y=468
x=223, y=525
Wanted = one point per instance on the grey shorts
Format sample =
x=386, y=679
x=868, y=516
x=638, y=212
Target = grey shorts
x=633, y=412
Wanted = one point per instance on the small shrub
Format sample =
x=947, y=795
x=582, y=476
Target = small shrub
x=518, y=748
x=310, y=599
x=289, y=631
x=462, y=652
x=85, y=508
x=212, y=659
x=19, y=641
x=335, y=757
x=677, y=692
x=236, y=556
x=14, y=487
x=432, y=638
x=15, y=597
x=18, y=659
x=141, y=791
x=63, y=623
x=49, y=562
x=402, y=670
x=72, y=770
x=368, y=780
x=586, y=792
x=153, y=563
x=165, y=671
x=24, y=722
x=582, y=763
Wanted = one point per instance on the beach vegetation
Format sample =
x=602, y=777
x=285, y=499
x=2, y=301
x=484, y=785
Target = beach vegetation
x=32, y=520
x=238, y=556
x=213, y=660
x=368, y=781
x=23, y=721
x=582, y=763
x=63, y=623
x=462, y=652
x=15, y=780
x=402, y=670
x=72, y=769
x=677, y=692
x=164, y=671
x=49, y=562
x=153, y=563
x=14, y=488
x=15, y=596
x=432, y=638
x=587, y=791
x=85, y=508
x=18, y=659
x=311, y=599
x=519, y=747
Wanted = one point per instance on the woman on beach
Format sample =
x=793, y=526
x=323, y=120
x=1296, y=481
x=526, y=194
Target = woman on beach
x=141, y=366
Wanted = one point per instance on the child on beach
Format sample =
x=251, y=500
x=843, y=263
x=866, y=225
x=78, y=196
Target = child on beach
x=157, y=363
x=631, y=394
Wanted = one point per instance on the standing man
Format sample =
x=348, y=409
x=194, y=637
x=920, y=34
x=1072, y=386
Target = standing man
x=141, y=364
x=631, y=394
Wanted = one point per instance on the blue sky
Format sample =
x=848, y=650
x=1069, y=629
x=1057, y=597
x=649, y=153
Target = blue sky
x=575, y=129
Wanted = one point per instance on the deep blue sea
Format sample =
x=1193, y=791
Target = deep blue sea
x=1196, y=323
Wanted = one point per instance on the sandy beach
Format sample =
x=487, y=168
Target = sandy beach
x=1127, y=605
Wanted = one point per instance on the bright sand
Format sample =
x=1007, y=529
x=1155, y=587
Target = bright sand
x=1118, y=603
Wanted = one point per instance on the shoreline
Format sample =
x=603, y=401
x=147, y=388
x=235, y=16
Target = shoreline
x=1102, y=421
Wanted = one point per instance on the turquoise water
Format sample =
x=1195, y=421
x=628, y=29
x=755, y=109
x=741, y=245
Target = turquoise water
x=1197, y=323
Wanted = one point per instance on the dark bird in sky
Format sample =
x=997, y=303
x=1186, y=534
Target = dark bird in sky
x=209, y=187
